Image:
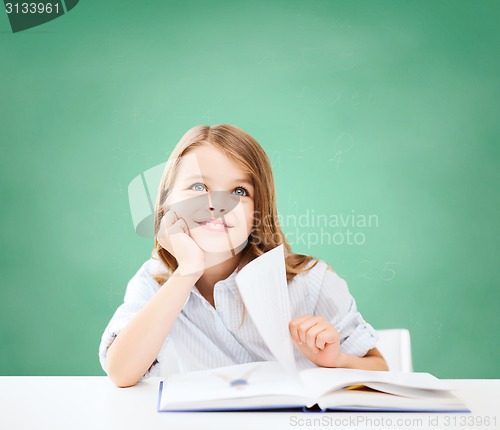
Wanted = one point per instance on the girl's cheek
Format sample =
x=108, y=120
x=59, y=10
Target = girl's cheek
x=168, y=201
x=173, y=199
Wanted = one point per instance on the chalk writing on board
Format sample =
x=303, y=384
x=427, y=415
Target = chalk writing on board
x=342, y=144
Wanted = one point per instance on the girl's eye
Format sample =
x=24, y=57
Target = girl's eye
x=241, y=191
x=198, y=187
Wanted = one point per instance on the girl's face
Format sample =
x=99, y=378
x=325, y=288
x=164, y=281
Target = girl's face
x=215, y=198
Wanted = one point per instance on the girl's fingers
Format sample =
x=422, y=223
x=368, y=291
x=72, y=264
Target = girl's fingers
x=166, y=222
x=295, y=322
x=312, y=337
x=330, y=335
x=292, y=328
x=169, y=218
x=178, y=226
x=170, y=224
x=162, y=233
x=320, y=341
x=303, y=328
x=183, y=224
x=300, y=326
x=314, y=332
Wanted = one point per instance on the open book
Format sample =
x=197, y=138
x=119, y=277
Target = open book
x=278, y=384
x=265, y=385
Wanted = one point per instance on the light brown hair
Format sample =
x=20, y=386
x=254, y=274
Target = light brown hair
x=247, y=153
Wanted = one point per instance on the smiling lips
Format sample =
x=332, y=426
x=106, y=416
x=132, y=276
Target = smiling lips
x=214, y=225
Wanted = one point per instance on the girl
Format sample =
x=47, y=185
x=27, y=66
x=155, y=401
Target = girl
x=215, y=212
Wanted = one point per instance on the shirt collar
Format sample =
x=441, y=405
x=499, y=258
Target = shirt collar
x=229, y=283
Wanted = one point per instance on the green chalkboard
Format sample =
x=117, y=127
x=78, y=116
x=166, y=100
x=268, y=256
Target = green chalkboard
x=380, y=119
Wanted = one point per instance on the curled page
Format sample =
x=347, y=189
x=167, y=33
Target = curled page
x=264, y=290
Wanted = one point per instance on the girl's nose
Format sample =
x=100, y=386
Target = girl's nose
x=220, y=210
x=220, y=202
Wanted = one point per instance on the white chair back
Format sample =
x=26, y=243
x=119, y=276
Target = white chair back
x=395, y=346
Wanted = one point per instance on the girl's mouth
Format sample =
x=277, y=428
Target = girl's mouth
x=215, y=225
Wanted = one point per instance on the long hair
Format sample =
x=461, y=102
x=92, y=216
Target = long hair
x=247, y=153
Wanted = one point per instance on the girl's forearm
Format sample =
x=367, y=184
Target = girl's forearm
x=368, y=362
x=138, y=344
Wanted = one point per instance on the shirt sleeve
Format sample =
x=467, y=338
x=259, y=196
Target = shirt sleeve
x=336, y=304
x=140, y=289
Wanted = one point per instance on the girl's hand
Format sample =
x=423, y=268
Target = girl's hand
x=318, y=340
x=175, y=237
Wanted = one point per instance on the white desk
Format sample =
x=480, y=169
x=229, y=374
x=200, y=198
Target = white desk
x=95, y=403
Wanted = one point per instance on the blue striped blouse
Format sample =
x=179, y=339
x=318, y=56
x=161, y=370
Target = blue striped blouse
x=205, y=337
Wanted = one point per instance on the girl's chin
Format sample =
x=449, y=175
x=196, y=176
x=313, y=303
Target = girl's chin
x=212, y=247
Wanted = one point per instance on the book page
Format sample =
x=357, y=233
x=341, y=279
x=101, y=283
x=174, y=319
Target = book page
x=246, y=380
x=264, y=290
x=435, y=400
x=322, y=380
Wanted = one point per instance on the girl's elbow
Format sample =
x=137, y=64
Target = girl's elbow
x=125, y=384
x=119, y=377
x=378, y=360
x=122, y=381
x=383, y=364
